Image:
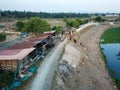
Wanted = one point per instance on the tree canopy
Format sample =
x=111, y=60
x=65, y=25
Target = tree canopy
x=58, y=29
x=19, y=25
x=25, y=14
x=98, y=18
x=74, y=22
x=36, y=25
x=2, y=37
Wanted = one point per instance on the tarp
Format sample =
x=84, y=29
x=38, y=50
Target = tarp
x=33, y=69
x=17, y=84
x=25, y=78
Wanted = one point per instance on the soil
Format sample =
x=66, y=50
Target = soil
x=91, y=72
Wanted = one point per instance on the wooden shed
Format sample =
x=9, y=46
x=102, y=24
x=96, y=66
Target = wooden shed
x=10, y=59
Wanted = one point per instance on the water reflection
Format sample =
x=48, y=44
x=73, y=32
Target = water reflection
x=112, y=53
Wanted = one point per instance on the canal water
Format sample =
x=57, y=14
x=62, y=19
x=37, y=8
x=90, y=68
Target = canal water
x=112, y=53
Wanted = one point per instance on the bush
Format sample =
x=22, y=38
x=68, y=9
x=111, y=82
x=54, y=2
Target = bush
x=6, y=78
x=19, y=25
x=2, y=37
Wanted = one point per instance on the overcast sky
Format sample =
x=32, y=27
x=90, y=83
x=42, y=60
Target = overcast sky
x=81, y=6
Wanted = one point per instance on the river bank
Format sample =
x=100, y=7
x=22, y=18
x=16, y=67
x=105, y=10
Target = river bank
x=110, y=48
x=92, y=74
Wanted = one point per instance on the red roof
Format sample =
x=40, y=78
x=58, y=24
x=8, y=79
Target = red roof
x=9, y=52
x=14, y=54
x=30, y=42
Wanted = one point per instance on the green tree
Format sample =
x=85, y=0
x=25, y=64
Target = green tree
x=72, y=23
x=58, y=29
x=6, y=78
x=19, y=25
x=80, y=21
x=98, y=18
x=36, y=25
x=2, y=37
x=117, y=20
x=75, y=23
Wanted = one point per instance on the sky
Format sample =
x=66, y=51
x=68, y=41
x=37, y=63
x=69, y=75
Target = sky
x=78, y=6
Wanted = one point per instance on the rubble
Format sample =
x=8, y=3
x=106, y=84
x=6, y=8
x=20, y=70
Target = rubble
x=65, y=70
x=68, y=63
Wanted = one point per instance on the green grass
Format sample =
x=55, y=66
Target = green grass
x=103, y=56
x=111, y=36
x=56, y=22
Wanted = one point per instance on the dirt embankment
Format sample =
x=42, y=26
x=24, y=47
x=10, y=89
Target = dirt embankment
x=91, y=73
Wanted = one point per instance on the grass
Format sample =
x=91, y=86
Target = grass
x=56, y=22
x=117, y=81
x=111, y=36
x=103, y=56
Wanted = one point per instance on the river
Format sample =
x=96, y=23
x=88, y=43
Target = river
x=111, y=52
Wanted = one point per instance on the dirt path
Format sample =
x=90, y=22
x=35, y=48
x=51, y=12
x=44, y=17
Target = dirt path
x=91, y=73
x=43, y=79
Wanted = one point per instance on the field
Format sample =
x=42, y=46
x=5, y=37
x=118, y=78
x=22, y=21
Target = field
x=111, y=36
x=56, y=22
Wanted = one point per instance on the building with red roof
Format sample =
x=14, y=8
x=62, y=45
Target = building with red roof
x=10, y=59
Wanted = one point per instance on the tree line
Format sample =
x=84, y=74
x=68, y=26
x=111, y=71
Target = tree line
x=24, y=14
x=38, y=26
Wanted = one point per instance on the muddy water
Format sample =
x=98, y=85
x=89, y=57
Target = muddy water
x=112, y=53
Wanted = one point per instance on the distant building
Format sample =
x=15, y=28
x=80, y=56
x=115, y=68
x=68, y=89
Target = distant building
x=112, y=15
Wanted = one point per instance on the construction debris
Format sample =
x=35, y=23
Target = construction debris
x=64, y=70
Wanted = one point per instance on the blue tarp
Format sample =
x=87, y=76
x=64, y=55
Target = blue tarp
x=17, y=84
x=33, y=69
x=25, y=78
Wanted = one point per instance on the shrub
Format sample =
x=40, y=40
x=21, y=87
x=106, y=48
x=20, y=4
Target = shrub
x=2, y=37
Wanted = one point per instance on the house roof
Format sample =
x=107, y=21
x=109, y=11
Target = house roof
x=15, y=54
x=30, y=42
x=49, y=32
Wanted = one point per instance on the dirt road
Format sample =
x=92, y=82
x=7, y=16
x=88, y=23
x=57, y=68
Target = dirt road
x=92, y=75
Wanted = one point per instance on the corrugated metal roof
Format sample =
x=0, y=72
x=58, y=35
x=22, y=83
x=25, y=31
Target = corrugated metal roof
x=30, y=42
x=15, y=54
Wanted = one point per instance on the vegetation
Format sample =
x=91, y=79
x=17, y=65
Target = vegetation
x=117, y=81
x=2, y=37
x=6, y=78
x=58, y=29
x=103, y=56
x=19, y=25
x=36, y=25
x=111, y=36
x=2, y=26
x=117, y=20
x=24, y=14
x=98, y=19
x=74, y=22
